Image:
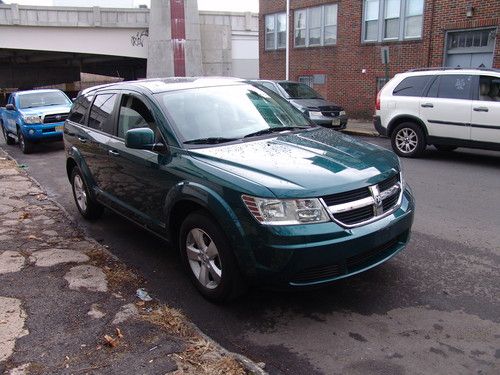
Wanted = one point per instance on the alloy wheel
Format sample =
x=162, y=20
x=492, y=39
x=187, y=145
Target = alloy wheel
x=406, y=140
x=203, y=258
x=80, y=193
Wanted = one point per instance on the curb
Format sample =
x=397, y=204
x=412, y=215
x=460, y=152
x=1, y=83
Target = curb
x=252, y=367
x=364, y=133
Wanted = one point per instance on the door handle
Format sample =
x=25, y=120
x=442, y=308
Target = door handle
x=83, y=140
x=113, y=153
x=427, y=105
x=481, y=109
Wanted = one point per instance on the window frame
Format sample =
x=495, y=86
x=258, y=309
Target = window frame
x=307, y=27
x=275, y=32
x=381, y=21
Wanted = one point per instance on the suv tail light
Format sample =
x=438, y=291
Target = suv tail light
x=377, y=102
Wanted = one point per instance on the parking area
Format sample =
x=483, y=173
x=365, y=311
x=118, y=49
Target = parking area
x=431, y=309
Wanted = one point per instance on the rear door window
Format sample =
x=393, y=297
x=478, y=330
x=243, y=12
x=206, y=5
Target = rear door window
x=79, y=109
x=100, y=114
x=412, y=86
x=451, y=86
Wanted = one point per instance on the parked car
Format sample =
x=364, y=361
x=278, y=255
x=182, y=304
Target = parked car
x=447, y=108
x=309, y=102
x=34, y=116
x=249, y=190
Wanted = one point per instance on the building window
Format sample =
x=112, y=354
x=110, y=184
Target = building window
x=316, y=26
x=392, y=20
x=275, y=31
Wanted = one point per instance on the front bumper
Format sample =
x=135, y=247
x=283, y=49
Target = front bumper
x=328, y=121
x=308, y=255
x=42, y=132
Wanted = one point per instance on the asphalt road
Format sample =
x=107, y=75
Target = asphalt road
x=433, y=309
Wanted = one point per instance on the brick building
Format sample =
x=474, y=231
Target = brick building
x=336, y=45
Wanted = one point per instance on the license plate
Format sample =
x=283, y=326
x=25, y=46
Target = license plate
x=59, y=128
x=336, y=122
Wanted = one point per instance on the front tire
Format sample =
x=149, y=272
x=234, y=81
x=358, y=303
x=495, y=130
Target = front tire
x=208, y=259
x=8, y=139
x=88, y=207
x=25, y=145
x=408, y=140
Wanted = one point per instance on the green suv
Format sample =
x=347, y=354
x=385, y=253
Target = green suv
x=248, y=189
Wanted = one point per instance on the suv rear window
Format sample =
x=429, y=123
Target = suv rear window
x=411, y=86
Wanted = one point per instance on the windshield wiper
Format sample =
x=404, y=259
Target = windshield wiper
x=209, y=141
x=274, y=130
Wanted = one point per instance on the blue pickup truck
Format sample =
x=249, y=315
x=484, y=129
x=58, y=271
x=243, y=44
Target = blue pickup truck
x=34, y=116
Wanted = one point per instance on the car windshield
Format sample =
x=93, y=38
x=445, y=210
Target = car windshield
x=43, y=99
x=297, y=90
x=226, y=113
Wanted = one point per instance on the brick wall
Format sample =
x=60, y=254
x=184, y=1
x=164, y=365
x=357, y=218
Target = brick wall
x=343, y=63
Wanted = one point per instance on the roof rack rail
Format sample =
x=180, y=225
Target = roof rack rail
x=453, y=68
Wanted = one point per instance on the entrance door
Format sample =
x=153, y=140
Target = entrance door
x=471, y=49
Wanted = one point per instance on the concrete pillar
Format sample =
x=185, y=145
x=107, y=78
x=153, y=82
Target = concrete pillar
x=160, y=54
x=193, y=40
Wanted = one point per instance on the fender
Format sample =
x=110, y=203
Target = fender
x=75, y=155
x=413, y=118
x=219, y=209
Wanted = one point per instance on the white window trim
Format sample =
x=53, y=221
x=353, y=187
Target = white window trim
x=308, y=28
x=381, y=24
x=275, y=32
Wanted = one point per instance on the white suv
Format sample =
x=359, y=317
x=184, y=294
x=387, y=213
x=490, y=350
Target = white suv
x=447, y=108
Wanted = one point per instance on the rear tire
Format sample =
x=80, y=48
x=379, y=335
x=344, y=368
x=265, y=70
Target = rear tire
x=8, y=139
x=208, y=258
x=25, y=145
x=89, y=208
x=408, y=140
x=445, y=148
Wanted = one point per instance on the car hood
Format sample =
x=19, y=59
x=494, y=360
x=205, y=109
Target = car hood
x=321, y=104
x=306, y=164
x=46, y=110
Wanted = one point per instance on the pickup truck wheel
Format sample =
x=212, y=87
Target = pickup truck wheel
x=8, y=139
x=408, y=140
x=25, y=145
x=208, y=258
x=88, y=207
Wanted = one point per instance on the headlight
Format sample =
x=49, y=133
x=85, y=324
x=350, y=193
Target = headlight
x=315, y=113
x=32, y=119
x=286, y=211
x=342, y=113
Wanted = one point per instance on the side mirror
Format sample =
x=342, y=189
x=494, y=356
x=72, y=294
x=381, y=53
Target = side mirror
x=10, y=107
x=143, y=139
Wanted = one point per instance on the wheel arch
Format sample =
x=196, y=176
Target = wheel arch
x=406, y=118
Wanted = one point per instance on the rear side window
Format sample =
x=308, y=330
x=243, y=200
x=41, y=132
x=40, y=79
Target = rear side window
x=452, y=86
x=100, y=113
x=412, y=86
x=79, y=109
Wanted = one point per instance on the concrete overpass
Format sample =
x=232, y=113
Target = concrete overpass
x=49, y=45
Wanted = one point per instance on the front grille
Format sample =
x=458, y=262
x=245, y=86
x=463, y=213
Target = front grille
x=351, y=264
x=356, y=216
x=330, y=113
x=363, y=209
x=56, y=117
x=48, y=130
x=347, y=196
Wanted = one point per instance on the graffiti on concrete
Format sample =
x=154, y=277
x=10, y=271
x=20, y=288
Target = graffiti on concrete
x=137, y=40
